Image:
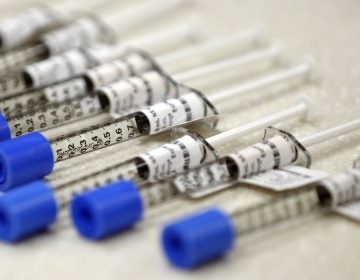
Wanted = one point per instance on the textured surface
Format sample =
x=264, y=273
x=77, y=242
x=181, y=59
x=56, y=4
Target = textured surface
x=324, y=247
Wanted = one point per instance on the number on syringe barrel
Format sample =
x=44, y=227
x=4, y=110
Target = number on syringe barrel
x=93, y=138
x=23, y=102
x=44, y=117
x=54, y=94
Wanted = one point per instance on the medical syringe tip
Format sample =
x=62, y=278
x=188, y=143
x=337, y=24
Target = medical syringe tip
x=314, y=75
x=310, y=113
x=26, y=211
x=198, y=239
x=107, y=211
x=281, y=48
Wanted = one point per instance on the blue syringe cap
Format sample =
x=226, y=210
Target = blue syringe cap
x=26, y=211
x=198, y=239
x=5, y=133
x=24, y=159
x=107, y=211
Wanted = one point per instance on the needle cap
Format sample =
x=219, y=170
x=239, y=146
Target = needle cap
x=107, y=211
x=24, y=159
x=26, y=211
x=5, y=133
x=195, y=240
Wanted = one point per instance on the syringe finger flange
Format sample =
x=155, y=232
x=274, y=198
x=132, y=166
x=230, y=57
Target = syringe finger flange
x=301, y=154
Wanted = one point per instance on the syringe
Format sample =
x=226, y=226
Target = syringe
x=27, y=26
x=137, y=62
x=70, y=52
x=149, y=121
x=135, y=199
x=38, y=203
x=208, y=235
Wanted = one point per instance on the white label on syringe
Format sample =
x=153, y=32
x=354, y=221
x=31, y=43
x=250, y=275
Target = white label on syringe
x=66, y=90
x=113, y=71
x=285, y=178
x=135, y=92
x=343, y=187
x=173, y=158
x=204, y=180
x=172, y=112
x=275, y=152
x=19, y=29
x=57, y=68
x=82, y=32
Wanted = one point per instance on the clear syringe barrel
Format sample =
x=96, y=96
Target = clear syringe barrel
x=202, y=237
x=94, y=138
x=46, y=116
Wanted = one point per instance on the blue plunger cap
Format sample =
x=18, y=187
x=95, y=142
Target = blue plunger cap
x=198, y=239
x=24, y=159
x=26, y=211
x=107, y=211
x=5, y=133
